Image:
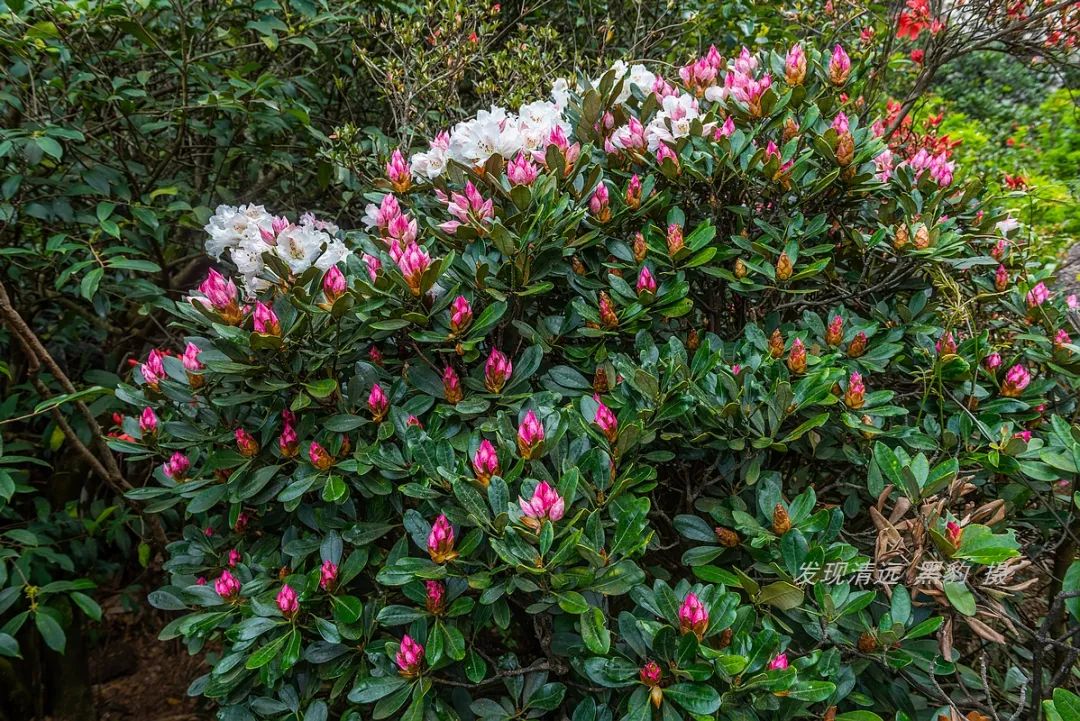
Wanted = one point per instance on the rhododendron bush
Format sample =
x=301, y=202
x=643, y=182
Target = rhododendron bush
x=668, y=396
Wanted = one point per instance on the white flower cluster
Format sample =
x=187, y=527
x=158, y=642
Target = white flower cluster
x=249, y=231
x=472, y=142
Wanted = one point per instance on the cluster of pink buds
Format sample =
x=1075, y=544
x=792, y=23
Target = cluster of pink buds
x=664, y=152
x=1000, y=249
x=747, y=89
x=434, y=597
x=265, y=320
x=646, y=284
x=795, y=65
x=545, y=504
x=631, y=137
x=246, y=443
x=234, y=558
x=1017, y=379
x=413, y=262
x=1037, y=295
x=839, y=66
x=451, y=386
x=1025, y=436
x=530, y=436
x=485, y=462
x=883, y=164
x=522, y=171
x=854, y=397
x=693, y=616
x=192, y=365
x=461, y=314
x=402, y=229
x=220, y=295
x=633, y=192
x=701, y=74
x=397, y=172
x=992, y=362
x=1001, y=279
x=176, y=467
x=378, y=403
x=440, y=541
x=651, y=675
x=497, y=370
x=840, y=123
x=153, y=369
x=334, y=284
x=779, y=662
x=287, y=601
x=320, y=457
x=148, y=423
x=600, y=204
x=468, y=208
x=939, y=166
x=288, y=441
x=410, y=657
x=606, y=420
x=227, y=585
x=381, y=216
x=328, y=575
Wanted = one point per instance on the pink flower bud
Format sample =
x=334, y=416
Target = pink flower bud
x=651, y=674
x=839, y=66
x=779, y=662
x=200, y=581
x=461, y=314
x=191, y=359
x=664, y=152
x=287, y=601
x=413, y=422
x=946, y=345
x=378, y=403
x=485, y=462
x=413, y=263
x=375, y=356
x=1017, y=379
x=227, y=585
x=397, y=172
x=497, y=370
x=373, y=265
x=320, y=457
x=1001, y=279
x=410, y=657
x=545, y=503
x=693, y=617
x=328, y=575
x=854, y=397
x=234, y=558
x=522, y=171
x=633, y=192
x=1072, y=302
x=441, y=541
x=840, y=123
x=646, y=283
x=246, y=443
x=241, y=522
x=953, y=532
x=148, y=423
x=265, y=320
x=176, y=467
x=530, y=436
x=795, y=65
x=1000, y=249
x=1061, y=339
x=992, y=361
x=675, y=241
x=288, y=442
x=600, y=205
x=1038, y=295
x=220, y=295
x=606, y=420
x=153, y=370
x=334, y=284
x=835, y=332
x=726, y=130
x=451, y=386
x=435, y=597
x=1025, y=436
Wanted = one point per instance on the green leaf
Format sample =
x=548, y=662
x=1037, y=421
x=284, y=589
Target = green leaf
x=1067, y=704
x=782, y=595
x=267, y=653
x=372, y=689
x=979, y=544
x=593, y=631
x=88, y=605
x=960, y=597
x=50, y=630
x=695, y=698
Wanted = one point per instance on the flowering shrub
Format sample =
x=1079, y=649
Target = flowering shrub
x=667, y=396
